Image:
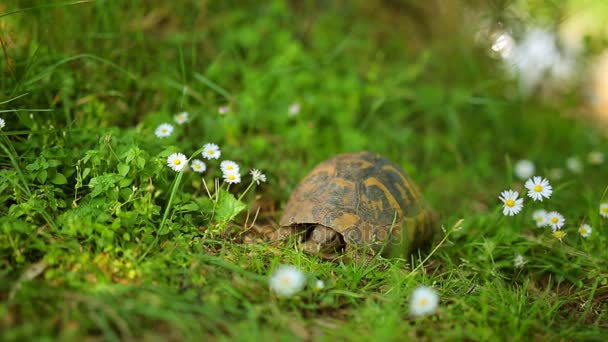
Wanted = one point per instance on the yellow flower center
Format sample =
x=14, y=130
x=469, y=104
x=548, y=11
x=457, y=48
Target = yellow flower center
x=163, y=130
x=231, y=177
x=285, y=281
x=538, y=188
x=554, y=220
x=605, y=209
x=423, y=301
x=583, y=230
x=177, y=162
x=559, y=234
x=197, y=166
x=510, y=203
x=539, y=219
x=229, y=167
x=210, y=151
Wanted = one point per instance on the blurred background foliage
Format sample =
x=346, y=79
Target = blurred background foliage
x=406, y=71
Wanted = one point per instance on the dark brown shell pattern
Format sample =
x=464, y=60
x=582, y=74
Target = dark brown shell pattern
x=366, y=198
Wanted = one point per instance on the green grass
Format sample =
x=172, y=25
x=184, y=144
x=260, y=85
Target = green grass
x=100, y=239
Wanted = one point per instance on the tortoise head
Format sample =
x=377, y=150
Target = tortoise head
x=324, y=242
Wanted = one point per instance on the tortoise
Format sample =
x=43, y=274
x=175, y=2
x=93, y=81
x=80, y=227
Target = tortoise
x=358, y=201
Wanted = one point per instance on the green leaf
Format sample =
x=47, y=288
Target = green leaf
x=103, y=183
x=123, y=169
x=59, y=179
x=42, y=176
x=140, y=162
x=53, y=163
x=189, y=207
x=125, y=182
x=227, y=207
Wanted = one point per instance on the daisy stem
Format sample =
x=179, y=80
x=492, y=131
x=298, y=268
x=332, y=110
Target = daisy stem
x=207, y=189
x=176, y=183
x=246, y=190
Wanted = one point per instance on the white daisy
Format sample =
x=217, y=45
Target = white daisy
x=604, y=209
x=540, y=217
x=229, y=166
x=319, y=284
x=524, y=169
x=574, y=165
x=519, y=261
x=232, y=177
x=585, y=230
x=512, y=204
x=164, y=130
x=177, y=161
x=2, y=123
x=559, y=234
x=424, y=301
x=258, y=176
x=538, y=188
x=595, y=158
x=294, y=110
x=537, y=59
x=223, y=110
x=198, y=165
x=181, y=118
x=287, y=280
x=555, y=220
x=503, y=44
x=211, y=151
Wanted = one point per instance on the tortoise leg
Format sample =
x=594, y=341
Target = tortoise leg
x=359, y=255
x=285, y=233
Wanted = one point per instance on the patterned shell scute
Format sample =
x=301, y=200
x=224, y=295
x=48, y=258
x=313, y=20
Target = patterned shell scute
x=361, y=195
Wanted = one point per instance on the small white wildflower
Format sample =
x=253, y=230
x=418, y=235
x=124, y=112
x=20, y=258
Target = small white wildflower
x=503, y=44
x=258, y=176
x=164, y=130
x=294, y=110
x=595, y=158
x=424, y=301
x=512, y=204
x=556, y=173
x=559, y=234
x=287, y=280
x=319, y=284
x=604, y=209
x=211, y=151
x=229, y=166
x=538, y=188
x=177, y=161
x=574, y=165
x=181, y=118
x=537, y=58
x=519, y=261
x=555, y=220
x=232, y=177
x=198, y=166
x=540, y=217
x=223, y=110
x=2, y=123
x=585, y=230
x=524, y=169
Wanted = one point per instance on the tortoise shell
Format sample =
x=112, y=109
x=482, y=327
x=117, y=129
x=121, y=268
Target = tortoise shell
x=368, y=199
